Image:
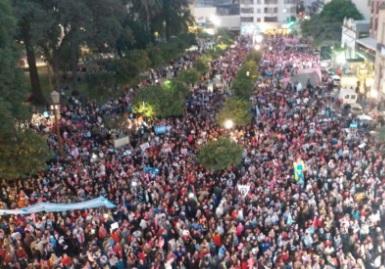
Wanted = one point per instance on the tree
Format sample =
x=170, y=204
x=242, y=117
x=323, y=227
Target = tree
x=74, y=24
x=237, y=110
x=190, y=77
x=202, y=64
x=220, y=154
x=243, y=85
x=23, y=155
x=174, y=17
x=146, y=11
x=337, y=10
x=107, y=25
x=22, y=151
x=31, y=23
x=326, y=26
x=163, y=101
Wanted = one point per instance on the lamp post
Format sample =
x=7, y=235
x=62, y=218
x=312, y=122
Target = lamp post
x=55, y=98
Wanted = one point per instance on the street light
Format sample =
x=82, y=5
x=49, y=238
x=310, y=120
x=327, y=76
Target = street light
x=228, y=124
x=55, y=98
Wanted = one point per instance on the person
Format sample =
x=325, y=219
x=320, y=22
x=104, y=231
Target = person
x=184, y=216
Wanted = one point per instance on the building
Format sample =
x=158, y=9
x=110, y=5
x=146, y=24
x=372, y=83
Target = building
x=352, y=31
x=379, y=83
x=374, y=11
x=262, y=15
x=211, y=15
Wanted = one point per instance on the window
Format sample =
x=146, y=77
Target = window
x=271, y=19
x=258, y=19
x=247, y=10
x=271, y=2
x=247, y=2
x=246, y=19
x=271, y=10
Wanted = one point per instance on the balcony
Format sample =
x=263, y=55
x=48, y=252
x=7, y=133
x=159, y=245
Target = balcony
x=271, y=10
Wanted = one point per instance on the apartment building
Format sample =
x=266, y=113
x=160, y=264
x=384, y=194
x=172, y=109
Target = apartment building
x=374, y=11
x=379, y=79
x=260, y=15
x=211, y=15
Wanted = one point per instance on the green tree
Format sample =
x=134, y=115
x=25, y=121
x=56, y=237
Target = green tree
x=174, y=17
x=235, y=109
x=243, y=85
x=337, y=10
x=202, y=64
x=22, y=151
x=190, y=77
x=326, y=26
x=160, y=101
x=220, y=154
x=242, y=88
x=24, y=154
x=146, y=11
x=31, y=23
x=74, y=24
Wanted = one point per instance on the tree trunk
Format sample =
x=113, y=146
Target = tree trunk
x=37, y=95
x=148, y=19
x=74, y=65
x=166, y=7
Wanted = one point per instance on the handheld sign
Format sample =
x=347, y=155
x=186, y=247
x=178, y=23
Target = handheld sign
x=243, y=189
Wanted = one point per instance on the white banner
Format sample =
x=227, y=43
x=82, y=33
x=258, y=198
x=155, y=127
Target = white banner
x=58, y=207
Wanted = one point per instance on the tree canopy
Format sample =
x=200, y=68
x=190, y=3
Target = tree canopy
x=235, y=109
x=161, y=101
x=220, y=154
x=326, y=26
x=23, y=152
x=243, y=85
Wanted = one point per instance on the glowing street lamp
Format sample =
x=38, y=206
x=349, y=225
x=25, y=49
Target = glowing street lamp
x=228, y=124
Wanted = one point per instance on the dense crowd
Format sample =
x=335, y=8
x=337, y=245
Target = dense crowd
x=186, y=217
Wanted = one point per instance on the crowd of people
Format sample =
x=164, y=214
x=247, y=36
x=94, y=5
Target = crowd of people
x=183, y=216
